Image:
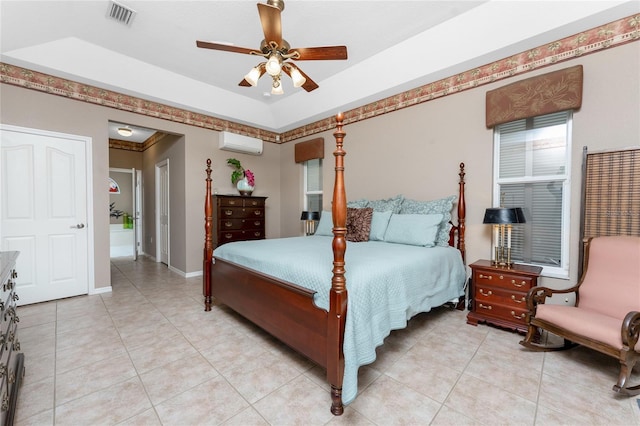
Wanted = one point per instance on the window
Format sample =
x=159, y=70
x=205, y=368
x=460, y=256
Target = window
x=532, y=160
x=313, y=185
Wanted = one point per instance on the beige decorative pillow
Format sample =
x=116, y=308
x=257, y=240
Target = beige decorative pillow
x=359, y=224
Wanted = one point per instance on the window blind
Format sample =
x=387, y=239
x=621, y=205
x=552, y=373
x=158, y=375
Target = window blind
x=612, y=193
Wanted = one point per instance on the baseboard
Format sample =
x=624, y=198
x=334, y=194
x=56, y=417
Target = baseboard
x=101, y=290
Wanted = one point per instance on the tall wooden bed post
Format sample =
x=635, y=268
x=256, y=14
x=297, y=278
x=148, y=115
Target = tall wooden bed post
x=208, y=241
x=462, y=214
x=338, y=292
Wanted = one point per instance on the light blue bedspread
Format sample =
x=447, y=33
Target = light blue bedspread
x=387, y=284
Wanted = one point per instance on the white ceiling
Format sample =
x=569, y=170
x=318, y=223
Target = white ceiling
x=393, y=46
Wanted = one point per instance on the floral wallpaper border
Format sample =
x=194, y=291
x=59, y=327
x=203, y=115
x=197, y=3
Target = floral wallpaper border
x=615, y=33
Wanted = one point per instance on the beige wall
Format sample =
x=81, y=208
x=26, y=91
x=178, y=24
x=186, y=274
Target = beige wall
x=416, y=151
x=33, y=109
x=123, y=159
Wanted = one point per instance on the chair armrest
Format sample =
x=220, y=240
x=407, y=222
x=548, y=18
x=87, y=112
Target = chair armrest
x=538, y=295
x=631, y=330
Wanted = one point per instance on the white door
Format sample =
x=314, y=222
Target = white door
x=44, y=212
x=137, y=216
x=162, y=207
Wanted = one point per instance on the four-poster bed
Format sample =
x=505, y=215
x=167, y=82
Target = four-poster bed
x=313, y=321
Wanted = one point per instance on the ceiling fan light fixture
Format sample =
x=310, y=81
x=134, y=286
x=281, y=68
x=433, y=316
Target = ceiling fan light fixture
x=253, y=76
x=276, y=88
x=125, y=131
x=274, y=65
x=297, y=78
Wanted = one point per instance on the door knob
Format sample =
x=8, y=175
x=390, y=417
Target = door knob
x=78, y=226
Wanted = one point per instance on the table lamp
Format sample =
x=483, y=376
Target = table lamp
x=310, y=219
x=502, y=219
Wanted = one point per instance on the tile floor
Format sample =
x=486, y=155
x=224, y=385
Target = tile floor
x=147, y=354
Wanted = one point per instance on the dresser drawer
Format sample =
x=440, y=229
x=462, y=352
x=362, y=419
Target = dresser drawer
x=240, y=224
x=488, y=294
x=240, y=202
x=230, y=202
x=229, y=236
x=503, y=280
x=241, y=212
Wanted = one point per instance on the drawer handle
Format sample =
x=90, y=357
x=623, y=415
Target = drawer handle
x=486, y=276
x=485, y=306
x=254, y=203
x=232, y=202
x=513, y=297
x=520, y=317
x=227, y=236
x=257, y=234
x=228, y=212
x=488, y=293
x=520, y=284
x=228, y=224
x=257, y=212
x=257, y=223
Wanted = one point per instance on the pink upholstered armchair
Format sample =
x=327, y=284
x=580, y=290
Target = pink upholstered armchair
x=606, y=315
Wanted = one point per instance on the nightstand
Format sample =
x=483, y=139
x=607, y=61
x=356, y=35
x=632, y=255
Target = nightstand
x=498, y=294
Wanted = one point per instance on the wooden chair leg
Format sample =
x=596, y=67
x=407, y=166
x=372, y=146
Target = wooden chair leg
x=627, y=362
x=533, y=337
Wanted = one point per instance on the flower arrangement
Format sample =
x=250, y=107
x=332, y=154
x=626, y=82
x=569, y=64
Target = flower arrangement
x=240, y=172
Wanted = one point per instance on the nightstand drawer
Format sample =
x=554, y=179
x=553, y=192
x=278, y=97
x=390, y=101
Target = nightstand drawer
x=503, y=279
x=498, y=295
x=513, y=315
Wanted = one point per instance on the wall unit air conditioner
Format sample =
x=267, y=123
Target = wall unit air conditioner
x=240, y=143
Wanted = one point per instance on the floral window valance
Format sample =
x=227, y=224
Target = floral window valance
x=552, y=92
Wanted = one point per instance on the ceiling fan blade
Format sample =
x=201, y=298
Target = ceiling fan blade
x=271, y=23
x=320, y=53
x=308, y=85
x=225, y=47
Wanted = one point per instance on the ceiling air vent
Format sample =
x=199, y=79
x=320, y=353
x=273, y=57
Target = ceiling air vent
x=120, y=13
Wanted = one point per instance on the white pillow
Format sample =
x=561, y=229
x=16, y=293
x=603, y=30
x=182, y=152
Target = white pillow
x=413, y=229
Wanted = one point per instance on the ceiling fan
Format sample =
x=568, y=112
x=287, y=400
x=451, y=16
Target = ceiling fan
x=277, y=51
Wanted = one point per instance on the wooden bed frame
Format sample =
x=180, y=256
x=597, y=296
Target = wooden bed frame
x=287, y=311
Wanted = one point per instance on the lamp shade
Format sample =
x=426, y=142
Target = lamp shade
x=310, y=216
x=274, y=65
x=253, y=76
x=502, y=215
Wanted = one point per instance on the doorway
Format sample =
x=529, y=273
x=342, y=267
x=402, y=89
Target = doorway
x=125, y=211
x=162, y=212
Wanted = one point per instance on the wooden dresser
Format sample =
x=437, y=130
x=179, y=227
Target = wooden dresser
x=498, y=294
x=238, y=218
x=11, y=359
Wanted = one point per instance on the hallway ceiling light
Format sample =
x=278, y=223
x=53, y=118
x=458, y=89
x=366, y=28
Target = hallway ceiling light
x=125, y=131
